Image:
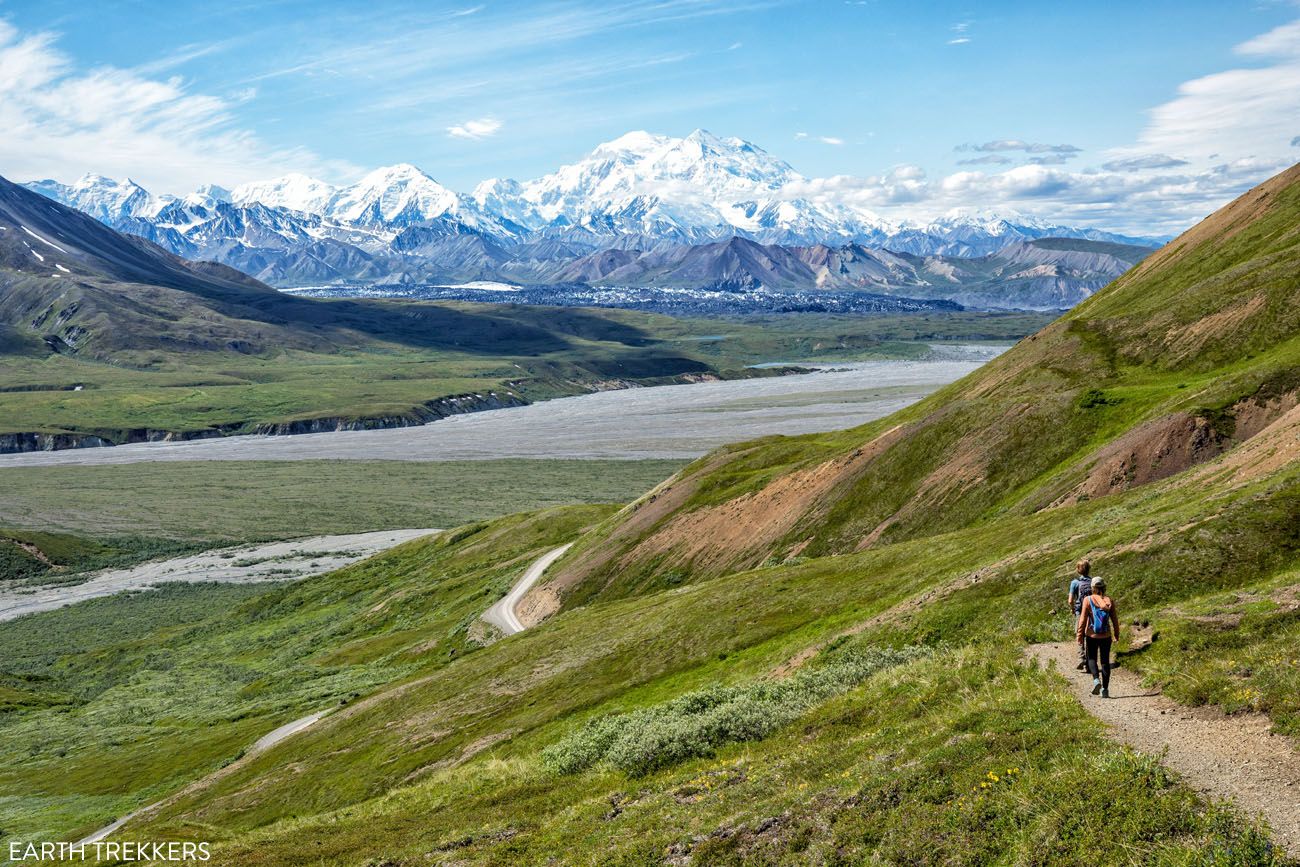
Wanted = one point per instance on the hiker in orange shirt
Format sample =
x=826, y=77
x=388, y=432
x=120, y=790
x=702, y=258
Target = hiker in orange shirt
x=1097, y=627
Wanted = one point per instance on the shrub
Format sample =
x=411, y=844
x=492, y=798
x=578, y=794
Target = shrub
x=698, y=723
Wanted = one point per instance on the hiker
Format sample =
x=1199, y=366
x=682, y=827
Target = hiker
x=1098, y=626
x=1080, y=587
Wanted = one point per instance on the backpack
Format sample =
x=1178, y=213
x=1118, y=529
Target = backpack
x=1082, y=590
x=1100, y=619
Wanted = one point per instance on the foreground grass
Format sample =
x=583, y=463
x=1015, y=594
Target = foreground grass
x=439, y=747
x=257, y=500
x=1238, y=649
x=111, y=703
x=520, y=696
x=967, y=757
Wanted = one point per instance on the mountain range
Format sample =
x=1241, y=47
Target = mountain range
x=641, y=200
x=71, y=285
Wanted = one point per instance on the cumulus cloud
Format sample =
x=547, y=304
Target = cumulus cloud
x=1245, y=111
x=484, y=127
x=60, y=122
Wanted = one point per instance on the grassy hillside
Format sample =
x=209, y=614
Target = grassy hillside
x=122, y=699
x=452, y=753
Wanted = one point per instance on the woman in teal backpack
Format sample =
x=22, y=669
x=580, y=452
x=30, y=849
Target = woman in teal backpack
x=1098, y=626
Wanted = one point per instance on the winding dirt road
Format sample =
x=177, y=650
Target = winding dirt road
x=503, y=615
x=1220, y=756
x=266, y=741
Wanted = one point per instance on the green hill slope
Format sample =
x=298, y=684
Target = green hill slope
x=456, y=759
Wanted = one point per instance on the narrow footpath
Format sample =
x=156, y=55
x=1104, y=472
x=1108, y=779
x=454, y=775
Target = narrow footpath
x=1222, y=757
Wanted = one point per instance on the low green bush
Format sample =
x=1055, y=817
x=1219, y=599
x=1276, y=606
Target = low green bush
x=699, y=722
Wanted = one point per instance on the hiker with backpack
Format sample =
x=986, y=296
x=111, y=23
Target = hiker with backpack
x=1080, y=587
x=1098, y=626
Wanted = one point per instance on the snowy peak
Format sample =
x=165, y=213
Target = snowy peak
x=103, y=198
x=634, y=144
x=642, y=182
x=294, y=191
x=399, y=195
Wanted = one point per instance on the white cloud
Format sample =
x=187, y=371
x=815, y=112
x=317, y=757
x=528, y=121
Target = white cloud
x=824, y=139
x=1137, y=164
x=1246, y=111
x=484, y=127
x=959, y=40
x=60, y=122
x=1015, y=144
x=987, y=160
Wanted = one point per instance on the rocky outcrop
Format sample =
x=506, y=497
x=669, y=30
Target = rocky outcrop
x=438, y=408
x=426, y=412
x=13, y=443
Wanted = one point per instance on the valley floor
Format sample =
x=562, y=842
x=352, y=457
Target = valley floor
x=276, y=561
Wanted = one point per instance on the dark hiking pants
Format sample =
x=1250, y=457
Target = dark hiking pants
x=1096, y=652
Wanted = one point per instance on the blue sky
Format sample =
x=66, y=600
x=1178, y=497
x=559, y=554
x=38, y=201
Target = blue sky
x=175, y=94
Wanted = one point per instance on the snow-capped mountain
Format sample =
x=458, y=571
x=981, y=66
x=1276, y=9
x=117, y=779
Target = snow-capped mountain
x=294, y=191
x=979, y=232
x=388, y=199
x=697, y=188
x=640, y=195
x=103, y=198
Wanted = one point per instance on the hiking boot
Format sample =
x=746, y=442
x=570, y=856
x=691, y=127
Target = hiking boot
x=1096, y=686
x=1082, y=666
x=1105, y=692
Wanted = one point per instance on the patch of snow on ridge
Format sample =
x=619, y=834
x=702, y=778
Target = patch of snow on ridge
x=43, y=241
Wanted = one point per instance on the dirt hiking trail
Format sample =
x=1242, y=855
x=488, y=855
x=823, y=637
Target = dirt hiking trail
x=1222, y=757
